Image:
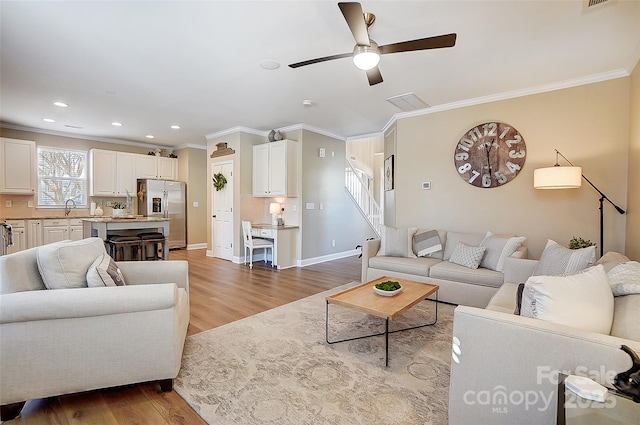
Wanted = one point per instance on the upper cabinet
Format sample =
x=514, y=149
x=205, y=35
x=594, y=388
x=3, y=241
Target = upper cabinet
x=112, y=173
x=275, y=169
x=156, y=167
x=18, y=172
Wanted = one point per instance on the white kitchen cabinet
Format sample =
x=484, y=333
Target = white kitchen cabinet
x=34, y=233
x=75, y=229
x=19, y=236
x=112, y=173
x=18, y=171
x=167, y=168
x=156, y=167
x=55, y=230
x=275, y=169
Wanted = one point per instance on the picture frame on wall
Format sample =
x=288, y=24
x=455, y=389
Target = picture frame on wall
x=388, y=173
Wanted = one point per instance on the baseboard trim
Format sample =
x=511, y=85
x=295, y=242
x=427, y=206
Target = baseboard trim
x=325, y=258
x=196, y=246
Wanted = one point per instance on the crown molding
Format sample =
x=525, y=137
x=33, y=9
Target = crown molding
x=544, y=88
x=365, y=136
x=317, y=130
x=189, y=145
x=236, y=130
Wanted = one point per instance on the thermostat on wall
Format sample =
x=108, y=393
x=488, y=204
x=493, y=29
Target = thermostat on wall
x=426, y=185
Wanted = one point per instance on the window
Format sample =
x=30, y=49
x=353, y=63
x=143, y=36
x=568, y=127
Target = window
x=62, y=175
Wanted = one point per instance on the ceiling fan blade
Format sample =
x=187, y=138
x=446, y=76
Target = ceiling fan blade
x=354, y=16
x=317, y=60
x=438, y=42
x=374, y=76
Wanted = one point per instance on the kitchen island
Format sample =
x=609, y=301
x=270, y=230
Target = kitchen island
x=101, y=227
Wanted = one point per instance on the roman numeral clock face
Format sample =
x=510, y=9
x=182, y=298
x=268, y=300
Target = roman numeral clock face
x=490, y=155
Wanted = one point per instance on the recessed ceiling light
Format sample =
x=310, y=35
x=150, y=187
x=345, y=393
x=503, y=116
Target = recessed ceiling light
x=269, y=64
x=117, y=124
x=175, y=127
x=48, y=120
x=150, y=136
x=61, y=104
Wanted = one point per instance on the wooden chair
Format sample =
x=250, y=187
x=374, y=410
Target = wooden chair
x=251, y=243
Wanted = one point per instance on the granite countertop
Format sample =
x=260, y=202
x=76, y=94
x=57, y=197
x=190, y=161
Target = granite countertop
x=48, y=217
x=124, y=219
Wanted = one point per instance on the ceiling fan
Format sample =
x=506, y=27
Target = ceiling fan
x=366, y=53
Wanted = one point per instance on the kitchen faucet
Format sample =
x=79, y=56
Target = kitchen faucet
x=67, y=210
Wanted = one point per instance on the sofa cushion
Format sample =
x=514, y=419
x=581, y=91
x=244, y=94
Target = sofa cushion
x=19, y=272
x=626, y=317
x=558, y=260
x=397, y=242
x=415, y=266
x=449, y=271
x=625, y=278
x=64, y=264
x=504, y=300
x=497, y=249
x=471, y=239
x=104, y=272
x=468, y=256
x=582, y=301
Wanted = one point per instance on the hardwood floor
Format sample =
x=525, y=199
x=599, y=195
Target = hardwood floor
x=220, y=292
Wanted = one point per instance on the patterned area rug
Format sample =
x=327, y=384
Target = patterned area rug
x=276, y=368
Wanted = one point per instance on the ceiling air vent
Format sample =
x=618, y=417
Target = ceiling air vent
x=591, y=5
x=407, y=102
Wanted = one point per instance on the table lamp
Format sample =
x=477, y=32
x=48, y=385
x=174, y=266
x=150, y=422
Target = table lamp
x=275, y=210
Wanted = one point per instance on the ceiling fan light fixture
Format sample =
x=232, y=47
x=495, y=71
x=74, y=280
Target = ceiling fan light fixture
x=366, y=57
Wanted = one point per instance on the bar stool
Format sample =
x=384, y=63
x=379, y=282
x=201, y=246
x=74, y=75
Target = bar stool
x=152, y=242
x=120, y=246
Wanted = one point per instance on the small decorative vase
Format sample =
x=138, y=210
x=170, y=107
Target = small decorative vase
x=98, y=212
x=119, y=213
x=278, y=135
x=271, y=136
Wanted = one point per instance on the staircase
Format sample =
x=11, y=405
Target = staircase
x=361, y=195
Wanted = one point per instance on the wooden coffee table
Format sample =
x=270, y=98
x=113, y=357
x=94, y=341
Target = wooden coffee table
x=362, y=298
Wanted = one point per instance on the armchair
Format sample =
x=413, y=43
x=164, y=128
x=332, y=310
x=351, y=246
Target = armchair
x=62, y=341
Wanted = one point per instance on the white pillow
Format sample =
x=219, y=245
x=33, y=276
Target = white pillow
x=104, y=272
x=397, y=242
x=499, y=248
x=468, y=256
x=64, y=264
x=625, y=278
x=558, y=260
x=582, y=301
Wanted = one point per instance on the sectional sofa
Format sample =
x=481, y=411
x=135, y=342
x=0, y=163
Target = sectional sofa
x=396, y=255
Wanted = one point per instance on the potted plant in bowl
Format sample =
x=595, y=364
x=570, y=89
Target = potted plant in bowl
x=119, y=209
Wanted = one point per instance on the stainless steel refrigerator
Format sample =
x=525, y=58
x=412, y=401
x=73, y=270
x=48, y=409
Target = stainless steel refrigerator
x=167, y=199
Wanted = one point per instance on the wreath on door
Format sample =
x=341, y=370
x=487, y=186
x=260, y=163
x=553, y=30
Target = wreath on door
x=219, y=181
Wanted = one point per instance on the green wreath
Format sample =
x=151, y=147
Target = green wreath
x=219, y=181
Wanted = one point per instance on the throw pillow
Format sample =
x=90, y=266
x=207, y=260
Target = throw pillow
x=397, y=242
x=558, y=260
x=104, y=272
x=426, y=242
x=468, y=256
x=498, y=248
x=612, y=259
x=583, y=301
x=64, y=264
x=625, y=278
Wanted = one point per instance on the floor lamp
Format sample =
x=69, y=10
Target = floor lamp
x=558, y=177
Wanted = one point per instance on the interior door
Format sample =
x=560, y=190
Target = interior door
x=222, y=209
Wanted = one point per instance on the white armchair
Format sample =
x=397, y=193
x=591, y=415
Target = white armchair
x=62, y=341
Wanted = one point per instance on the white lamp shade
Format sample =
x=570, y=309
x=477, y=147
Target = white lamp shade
x=274, y=208
x=557, y=178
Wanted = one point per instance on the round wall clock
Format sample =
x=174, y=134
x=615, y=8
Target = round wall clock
x=490, y=154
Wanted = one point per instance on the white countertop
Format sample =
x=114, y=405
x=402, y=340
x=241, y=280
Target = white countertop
x=134, y=219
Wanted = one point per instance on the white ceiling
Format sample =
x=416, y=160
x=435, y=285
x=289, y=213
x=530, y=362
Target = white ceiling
x=152, y=64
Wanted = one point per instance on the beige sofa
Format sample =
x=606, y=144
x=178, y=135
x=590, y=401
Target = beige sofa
x=508, y=364
x=458, y=284
x=62, y=341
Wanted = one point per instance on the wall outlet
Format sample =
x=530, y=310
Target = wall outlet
x=310, y=206
x=321, y=152
x=8, y=204
x=30, y=204
x=333, y=242
x=196, y=204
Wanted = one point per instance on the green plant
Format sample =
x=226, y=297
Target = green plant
x=116, y=205
x=389, y=285
x=219, y=181
x=577, y=243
